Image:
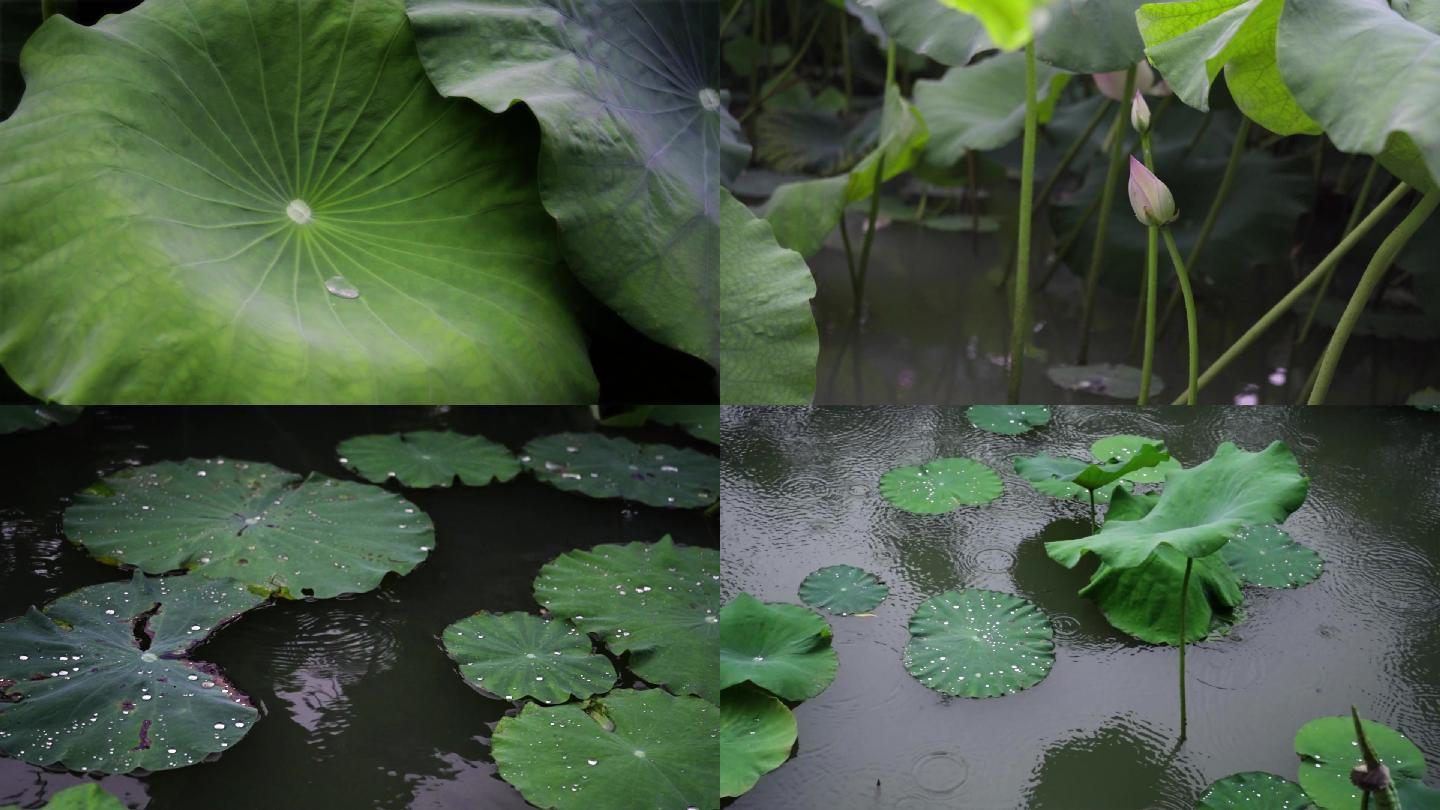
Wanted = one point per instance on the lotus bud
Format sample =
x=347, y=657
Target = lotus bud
x=1112, y=85
x=1149, y=197
x=1139, y=114
x=1370, y=781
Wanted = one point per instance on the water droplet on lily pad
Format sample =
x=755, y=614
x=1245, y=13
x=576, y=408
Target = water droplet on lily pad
x=338, y=286
x=299, y=212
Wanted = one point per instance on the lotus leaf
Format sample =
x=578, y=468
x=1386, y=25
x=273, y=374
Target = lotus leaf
x=1008, y=420
x=977, y=643
x=1144, y=601
x=1328, y=752
x=100, y=681
x=1052, y=475
x=278, y=208
x=428, y=459
x=630, y=121
x=624, y=750
x=930, y=28
x=1426, y=399
x=88, y=796
x=980, y=107
x=611, y=467
x=15, y=418
x=1266, y=556
x=255, y=523
x=1104, y=379
x=1253, y=790
x=1120, y=448
x=700, y=421
x=940, y=486
x=1007, y=22
x=515, y=655
x=842, y=590
x=784, y=649
x=1090, y=36
x=757, y=732
x=656, y=601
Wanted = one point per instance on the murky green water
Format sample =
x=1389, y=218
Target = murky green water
x=361, y=707
x=799, y=493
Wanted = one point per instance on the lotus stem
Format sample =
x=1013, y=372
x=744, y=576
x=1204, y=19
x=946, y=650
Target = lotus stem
x=1184, y=597
x=1107, y=196
x=1384, y=790
x=779, y=79
x=1192, y=329
x=1152, y=251
x=1330, y=274
x=869, y=235
x=725, y=23
x=849, y=253
x=1052, y=264
x=1092, y=511
x=1071, y=151
x=1020, y=320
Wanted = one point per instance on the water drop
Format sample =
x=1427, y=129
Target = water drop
x=299, y=211
x=338, y=286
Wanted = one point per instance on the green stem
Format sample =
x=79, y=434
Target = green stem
x=1092, y=511
x=890, y=63
x=725, y=23
x=1152, y=256
x=1374, y=272
x=849, y=254
x=1349, y=226
x=1020, y=320
x=1184, y=594
x=1192, y=329
x=1070, y=152
x=869, y=234
x=779, y=79
x=47, y=9
x=1107, y=195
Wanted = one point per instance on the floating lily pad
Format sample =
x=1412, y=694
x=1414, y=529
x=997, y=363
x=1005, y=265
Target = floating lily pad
x=15, y=418
x=784, y=649
x=1328, y=752
x=1120, y=448
x=1008, y=420
x=100, y=681
x=1103, y=379
x=757, y=732
x=515, y=655
x=1253, y=790
x=89, y=796
x=624, y=750
x=611, y=467
x=940, y=486
x=251, y=522
x=656, y=601
x=843, y=589
x=428, y=458
x=977, y=643
x=1268, y=557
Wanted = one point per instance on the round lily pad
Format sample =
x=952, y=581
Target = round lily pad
x=611, y=467
x=1008, y=420
x=1104, y=379
x=625, y=750
x=15, y=418
x=1268, y=557
x=757, y=732
x=1328, y=752
x=978, y=643
x=101, y=681
x=255, y=523
x=940, y=486
x=781, y=648
x=515, y=655
x=656, y=601
x=428, y=459
x=1253, y=790
x=843, y=589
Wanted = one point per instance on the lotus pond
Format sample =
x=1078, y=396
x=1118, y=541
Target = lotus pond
x=917, y=572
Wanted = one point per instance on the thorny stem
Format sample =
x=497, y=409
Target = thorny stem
x=1107, y=195
x=1349, y=226
x=1071, y=151
x=1184, y=593
x=1192, y=329
x=1020, y=320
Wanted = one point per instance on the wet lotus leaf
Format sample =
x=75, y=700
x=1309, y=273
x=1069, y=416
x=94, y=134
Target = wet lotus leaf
x=88, y=796
x=255, y=523
x=1144, y=601
x=656, y=601
x=428, y=458
x=1122, y=447
x=940, y=486
x=624, y=750
x=1104, y=379
x=932, y=29
x=1253, y=790
x=279, y=208
x=15, y=418
x=784, y=649
x=978, y=643
x=1008, y=420
x=843, y=589
x=611, y=467
x=1328, y=752
x=1072, y=478
x=979, y=107
x=757, y=732
x=515, y=655
x=1268, y=557
x=99, y=681
x=700, y=421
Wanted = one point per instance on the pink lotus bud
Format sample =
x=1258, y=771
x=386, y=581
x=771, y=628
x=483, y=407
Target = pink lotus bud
x=1112, y=85
x=1149, y=197
x=1139, y=114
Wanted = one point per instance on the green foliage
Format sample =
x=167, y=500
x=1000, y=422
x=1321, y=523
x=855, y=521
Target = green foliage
x=757, y=732
x=842, y=590
x=940, y=486
x=612, y=467
x=1328, y=752
x=784, y=649
x=933, y=29
x=1071, y=478
x=1008, y=23
x=17, y=418
x=1266, y=556
x=979, y=107
x=1008, y=420
x=428, y=458
x=977, y=643
x=515, y=655
x=88, y=796
x=1253, y=790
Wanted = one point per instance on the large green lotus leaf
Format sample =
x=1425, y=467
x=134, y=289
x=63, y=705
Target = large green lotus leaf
x=428, y=458
x=630, y=149
x=15, y=418
x=1090, y=36
x=1253, y=790
x=1191, y=41
x=812, y=140
x=255, y=523
x=1391, y=108
x=1266, y=556
x=1200, y=510
x=700, y=421
x=768, y=340
x=1328, y=752
x=757, y=732
x=277, y=208
x=784, y=649
x=101, y=681
x=933, y=29
x=1103, y=379
x=1008, y=23
x=1008, y=420
x=1053, y=476
x=612, y=467
x=1122, y=447
x=624, y=750
x=980, y=107
x=515, y=655
x=656, y=601
x=977, y=643
x=89, y=796
x=843, y=589
x=940, y=486
x=1144, y=601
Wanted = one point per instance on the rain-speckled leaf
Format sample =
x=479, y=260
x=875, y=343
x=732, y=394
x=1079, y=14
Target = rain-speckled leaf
x=940, y=486
x=1008, y=420
x=101, y=681
x=1104, y=379
x=843, y=589
x=784, y=649
x=515, y=655
x=980, y=107
x=977, y=643
x=625, y=750
x=1253, y=790
x=700, y=421
x=1051, y=475
x=1268, y=557
x=1328, y=752
x=656, y=601
x=88, y=796
x=932, y=29
x=1122, y=447
x=255, y=523
x=612, y=467
x=15, y=418
x=1144, y=601
x=428, y=458
x=757, y=732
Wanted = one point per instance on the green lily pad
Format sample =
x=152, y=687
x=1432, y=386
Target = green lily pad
x=656, y=601
x=932, y=29
x=757, y=732
x=15, y=418
x=279, y=208
x=977, y=643
x=1008, y=420
x=1328, y=752
x=1104, y=379
x=88, y=796
x=611, y=467
x=784, y=649
x=624, y=750
x=254, y=523
x=1052, y=475
x=1266, y=556
x=515, y=655
x=1253, y=790
x=700, y=421
x=940, y=486
x=428, y=458
x=1122, y=447
x=101, y=681
x=842, y=590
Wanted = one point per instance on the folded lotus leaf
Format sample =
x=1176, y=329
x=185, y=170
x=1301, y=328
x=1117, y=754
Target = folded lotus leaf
x=784, y=649
x=428, y=458
x=612, y=467
x=1328, y=752
x=515, y=655
x=843, y=589
x=1253, y=790
x=1144, y=601
x=978, y=643
x=940, y=486
x=1008, y=420
x=1268, y=557
x=1053, y=476
x=1122, y=447
x=757, y=732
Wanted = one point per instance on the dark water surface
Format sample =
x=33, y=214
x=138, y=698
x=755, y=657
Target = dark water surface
x=799, y=492
x=361, y=707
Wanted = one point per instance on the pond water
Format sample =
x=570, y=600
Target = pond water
x=800, y=492
x=361, y=707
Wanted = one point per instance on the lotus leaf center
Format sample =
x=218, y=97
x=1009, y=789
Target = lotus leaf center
x=299, y=211
x=709, y=99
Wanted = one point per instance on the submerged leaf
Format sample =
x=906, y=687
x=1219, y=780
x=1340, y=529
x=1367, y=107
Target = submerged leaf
x=784, y=649
x=1104, y=379
x=940, y=486
x=1008, y=420
x=757, y=732
x=1266, y=556
x=515, y=655
x=611, y=467
x=428, y=458
x=1253, y=790
x=977, y=643
x=843, y=590
x=1328, y=752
